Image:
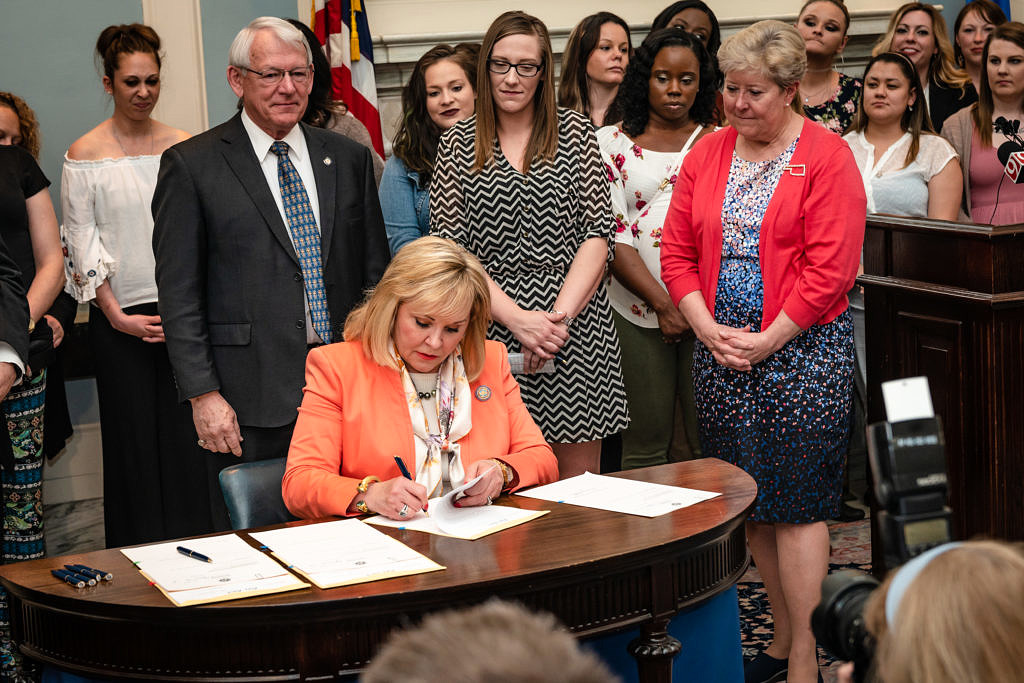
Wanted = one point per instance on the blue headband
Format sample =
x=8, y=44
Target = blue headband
x=905, y=576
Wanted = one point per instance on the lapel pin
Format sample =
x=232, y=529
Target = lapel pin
x=327, y=161
x=483, y=392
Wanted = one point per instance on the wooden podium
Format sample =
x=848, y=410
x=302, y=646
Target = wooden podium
x=946, y=300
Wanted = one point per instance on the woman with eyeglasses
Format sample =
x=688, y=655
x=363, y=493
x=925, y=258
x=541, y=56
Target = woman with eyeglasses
x=150, y=465
x=520, y=185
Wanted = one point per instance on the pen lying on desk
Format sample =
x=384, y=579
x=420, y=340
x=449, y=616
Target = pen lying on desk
x=68, y=577
x=193, y=554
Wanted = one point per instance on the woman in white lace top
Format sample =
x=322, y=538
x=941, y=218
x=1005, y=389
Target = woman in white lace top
x=907, y=169
x=152, y=469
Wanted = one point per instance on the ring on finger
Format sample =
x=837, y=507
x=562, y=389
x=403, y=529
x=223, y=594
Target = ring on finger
x=202, y=443
x=404, y=511
x=489, y=500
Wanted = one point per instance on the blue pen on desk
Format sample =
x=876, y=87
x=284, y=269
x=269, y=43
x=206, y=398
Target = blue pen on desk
x=99, y=574
x=68, y=577
x=193, y=554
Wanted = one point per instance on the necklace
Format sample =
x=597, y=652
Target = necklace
x=424, y=395
x=120, y=144
x=815, y=95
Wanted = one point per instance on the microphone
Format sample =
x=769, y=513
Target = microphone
x=1011, y=152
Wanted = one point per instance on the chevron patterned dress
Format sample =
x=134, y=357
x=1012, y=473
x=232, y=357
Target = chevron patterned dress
x=526, y=229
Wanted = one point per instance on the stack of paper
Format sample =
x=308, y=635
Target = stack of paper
x=237, y=570
x=619, y=495
x=343, y=552
x=469, y=523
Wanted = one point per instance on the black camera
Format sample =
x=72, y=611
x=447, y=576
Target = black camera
x=909, y=466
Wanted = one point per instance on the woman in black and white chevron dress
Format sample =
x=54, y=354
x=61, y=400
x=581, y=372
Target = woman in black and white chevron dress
x=520, y=184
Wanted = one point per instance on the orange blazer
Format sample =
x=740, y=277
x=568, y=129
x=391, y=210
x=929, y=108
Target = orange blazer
x=354, y=419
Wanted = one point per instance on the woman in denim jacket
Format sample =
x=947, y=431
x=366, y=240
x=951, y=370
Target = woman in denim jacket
x=439, y=95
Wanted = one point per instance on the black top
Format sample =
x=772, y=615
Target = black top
x=20, y=178
x=944, y=101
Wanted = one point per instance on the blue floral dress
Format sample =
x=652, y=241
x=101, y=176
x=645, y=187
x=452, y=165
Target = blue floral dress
x=785, y=421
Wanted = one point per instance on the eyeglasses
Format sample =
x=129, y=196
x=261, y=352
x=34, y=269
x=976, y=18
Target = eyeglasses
x=500, y=66
x=272, y=77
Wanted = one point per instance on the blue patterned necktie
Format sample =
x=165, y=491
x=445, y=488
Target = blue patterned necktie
x=305, y=238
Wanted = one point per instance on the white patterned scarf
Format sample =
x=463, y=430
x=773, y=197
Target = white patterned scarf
x=453, y=403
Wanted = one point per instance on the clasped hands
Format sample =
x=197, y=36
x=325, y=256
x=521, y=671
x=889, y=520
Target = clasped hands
x=541, y=335
x=388, y=498
x=736, y=348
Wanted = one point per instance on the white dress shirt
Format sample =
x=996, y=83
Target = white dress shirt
x=298, y=154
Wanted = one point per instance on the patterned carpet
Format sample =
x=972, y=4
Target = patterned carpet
x=851, y=549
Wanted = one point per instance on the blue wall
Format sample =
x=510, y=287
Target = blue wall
x=221, y=22
x=48, y=61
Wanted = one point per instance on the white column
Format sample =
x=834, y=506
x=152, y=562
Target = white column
x=182, y=77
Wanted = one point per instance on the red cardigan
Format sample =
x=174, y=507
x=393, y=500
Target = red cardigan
x=811, y=234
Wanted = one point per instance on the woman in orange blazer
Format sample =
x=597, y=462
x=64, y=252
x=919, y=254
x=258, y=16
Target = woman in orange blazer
x=415, y=379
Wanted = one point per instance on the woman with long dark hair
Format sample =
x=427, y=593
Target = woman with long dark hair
x=520, y=185
x=593, y=65
x=667, y=98
x=971, y=30
x=908, y=169
x=983, y=135
x=439, y=94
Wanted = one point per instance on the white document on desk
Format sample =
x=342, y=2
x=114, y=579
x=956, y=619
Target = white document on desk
x=344, y=552
x=469, y=523
x=238, y=570
x=619, y=495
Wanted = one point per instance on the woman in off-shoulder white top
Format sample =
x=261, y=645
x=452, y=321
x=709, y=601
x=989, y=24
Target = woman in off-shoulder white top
x=154, y=473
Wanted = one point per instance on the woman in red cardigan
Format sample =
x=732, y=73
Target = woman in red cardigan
x=760, y=246
x=414, y=379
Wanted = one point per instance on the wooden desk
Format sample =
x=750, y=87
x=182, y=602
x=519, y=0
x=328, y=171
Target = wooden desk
x=598, y=571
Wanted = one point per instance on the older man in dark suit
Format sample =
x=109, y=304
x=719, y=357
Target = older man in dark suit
x=266, y=234
x=13, y=323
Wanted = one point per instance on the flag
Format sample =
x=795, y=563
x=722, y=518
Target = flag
x=344, y=33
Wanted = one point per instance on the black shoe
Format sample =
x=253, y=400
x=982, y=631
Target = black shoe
x=848, y=513
x=765, y=669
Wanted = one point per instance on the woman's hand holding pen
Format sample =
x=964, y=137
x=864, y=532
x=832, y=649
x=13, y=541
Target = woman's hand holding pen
x=389, y=497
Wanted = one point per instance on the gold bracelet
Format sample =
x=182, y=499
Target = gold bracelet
x=507, y=475
x=365, y=483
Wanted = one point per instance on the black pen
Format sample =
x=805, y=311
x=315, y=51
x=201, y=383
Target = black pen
x=193, y=554
x=403, y=468
x=67, y=577
x=98, y=574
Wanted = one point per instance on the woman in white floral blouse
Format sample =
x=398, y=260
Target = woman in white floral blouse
x=667, y=99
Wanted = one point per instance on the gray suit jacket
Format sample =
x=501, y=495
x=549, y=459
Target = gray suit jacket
x=231, y=292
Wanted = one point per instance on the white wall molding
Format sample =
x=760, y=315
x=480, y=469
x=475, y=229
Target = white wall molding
x=180, y=24
x=395, y=54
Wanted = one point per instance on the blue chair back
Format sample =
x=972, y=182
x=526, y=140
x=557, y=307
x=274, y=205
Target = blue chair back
x=252, y=493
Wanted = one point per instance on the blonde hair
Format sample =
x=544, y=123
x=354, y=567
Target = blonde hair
x=959, y=620
x=437, y=275
x=771, y=48
x=543, y=142
x=943, y=66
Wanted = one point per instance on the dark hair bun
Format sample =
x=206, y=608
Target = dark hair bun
x=124, y=39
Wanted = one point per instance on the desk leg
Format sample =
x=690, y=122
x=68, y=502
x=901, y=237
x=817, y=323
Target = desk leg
x=654, y=651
